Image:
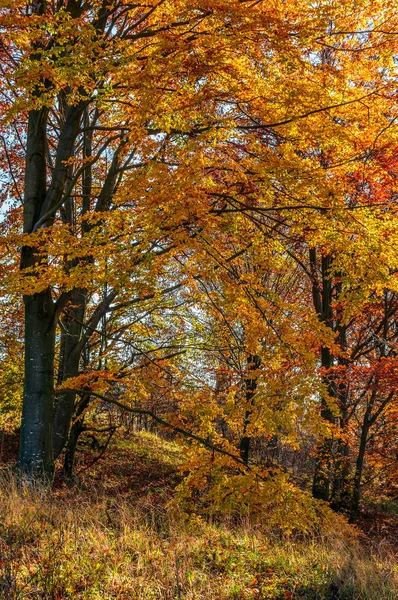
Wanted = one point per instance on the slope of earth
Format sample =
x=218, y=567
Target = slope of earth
x=115, y=535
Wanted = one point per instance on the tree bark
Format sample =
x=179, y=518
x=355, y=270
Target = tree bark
x=36, y=446
x=36, y=437
x=44, y=195
x=341, y=487
x=75, y=431
x=69, y=367
x=321, y=481
x=356, y=492
x=69, y=461
x=71, y=350
x=253, y=363
x=35, y=451
x=322, y=298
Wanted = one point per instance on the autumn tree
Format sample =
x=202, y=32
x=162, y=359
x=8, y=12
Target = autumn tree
x=209, y=153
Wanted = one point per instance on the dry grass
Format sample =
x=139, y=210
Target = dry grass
x=102, y=542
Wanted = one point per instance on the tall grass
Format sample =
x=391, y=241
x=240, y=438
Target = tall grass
x=95, y=544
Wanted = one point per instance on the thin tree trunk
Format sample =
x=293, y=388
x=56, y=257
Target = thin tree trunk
x=321, y=481
x=69, y=462
x=75, y=431
x=322, y=298
x=69, y=367
x=356, y=492
x=253, y=363
x=341, y=488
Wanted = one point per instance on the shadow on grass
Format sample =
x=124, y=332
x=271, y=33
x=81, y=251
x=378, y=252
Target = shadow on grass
x=333, y=591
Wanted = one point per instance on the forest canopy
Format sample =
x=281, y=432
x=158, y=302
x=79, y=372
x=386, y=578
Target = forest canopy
x=199, y=234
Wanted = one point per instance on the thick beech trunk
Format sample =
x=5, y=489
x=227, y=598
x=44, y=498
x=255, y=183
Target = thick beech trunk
x=35, y=452
x=45, y=193
x=36, y=438
x=36, y=445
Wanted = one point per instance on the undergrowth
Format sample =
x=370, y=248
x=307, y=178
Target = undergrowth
x=116, y=536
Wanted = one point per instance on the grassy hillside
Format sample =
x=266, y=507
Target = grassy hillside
x=116, y=536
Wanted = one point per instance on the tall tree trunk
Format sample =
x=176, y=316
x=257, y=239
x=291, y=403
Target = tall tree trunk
x=321, y=480
x=69, y=461
x=36, y=447
x=322, y=298
x=42, y=200
x=35, y=451
x=253, y=363
x=69, y=367
x=341, y=488
x=356, y=492
x=71, y=350
x=75, y=431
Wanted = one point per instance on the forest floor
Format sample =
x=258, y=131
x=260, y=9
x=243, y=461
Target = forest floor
x=115, y=536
